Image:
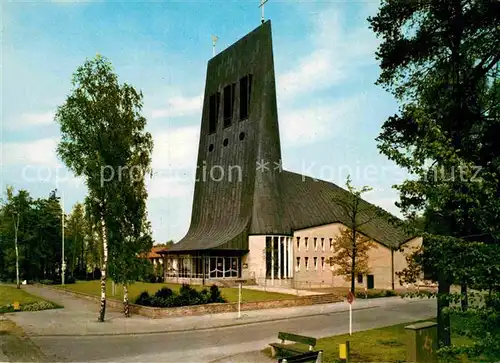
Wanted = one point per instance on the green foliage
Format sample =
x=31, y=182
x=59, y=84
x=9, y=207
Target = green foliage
x=187, y=295
x=164, y=293
x=440, y=60
x=104, y=140
x=143, y=299
x=39, y=237
x=39, y=305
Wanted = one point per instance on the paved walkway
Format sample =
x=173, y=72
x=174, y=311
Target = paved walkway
x=79, y=317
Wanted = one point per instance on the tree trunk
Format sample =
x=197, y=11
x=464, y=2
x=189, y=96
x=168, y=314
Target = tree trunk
x=16, y=226
x=353, y=261
x=102, y=310
x=465, y=298
x=392, y=269
x=443, y=318
x=126, y=308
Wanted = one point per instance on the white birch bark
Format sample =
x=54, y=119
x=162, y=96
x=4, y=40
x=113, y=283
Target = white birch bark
x=102, y=310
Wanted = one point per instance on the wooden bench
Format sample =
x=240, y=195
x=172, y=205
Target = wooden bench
x=290, y=353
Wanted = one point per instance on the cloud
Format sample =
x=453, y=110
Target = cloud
x=180, y=106
x=339, y=52
x=169, y=186
x=175, y=148
x=318, y=122
x=26, y=120
x=174, y=163
x=40, y=152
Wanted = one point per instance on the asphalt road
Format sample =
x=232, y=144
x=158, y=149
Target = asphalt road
x=212, y=344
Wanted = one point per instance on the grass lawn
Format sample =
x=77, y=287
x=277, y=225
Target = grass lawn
x=28, y=302
x=230, y=294
x=386, y=344
x=16, y=346
x=9, y=294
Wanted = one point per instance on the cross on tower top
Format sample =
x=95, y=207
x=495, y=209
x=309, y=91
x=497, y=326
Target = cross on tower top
x=214, y=40
x=261, y=6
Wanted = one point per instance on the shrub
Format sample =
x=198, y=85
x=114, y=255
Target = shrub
x=164, y=293
x=388, y=293
x=143, y=299
x=215, y=295
x=37, y=306
x=187, y=295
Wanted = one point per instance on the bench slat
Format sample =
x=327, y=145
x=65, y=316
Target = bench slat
x=297, y=338
x=287, y=347
x=302, y=358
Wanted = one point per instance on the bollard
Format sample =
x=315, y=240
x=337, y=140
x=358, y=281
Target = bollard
x=422, y=342
x=344, y=352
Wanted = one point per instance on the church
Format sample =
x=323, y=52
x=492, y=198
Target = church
x=251, y=219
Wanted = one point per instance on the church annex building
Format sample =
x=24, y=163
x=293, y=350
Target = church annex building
x=270, y=226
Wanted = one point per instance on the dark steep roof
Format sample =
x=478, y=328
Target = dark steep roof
x=311, y=203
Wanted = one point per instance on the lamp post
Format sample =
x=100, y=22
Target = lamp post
x=63, y=263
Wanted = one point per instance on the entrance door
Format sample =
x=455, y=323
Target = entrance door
x=370, y=281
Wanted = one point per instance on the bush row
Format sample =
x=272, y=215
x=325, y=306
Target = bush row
x=370, y=294
x=166, y=298
x=34, y=306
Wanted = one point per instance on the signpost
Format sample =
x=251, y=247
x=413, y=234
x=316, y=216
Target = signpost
x=350, y=300
x=240, y=282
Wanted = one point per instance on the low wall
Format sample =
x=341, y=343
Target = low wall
x=218, y=308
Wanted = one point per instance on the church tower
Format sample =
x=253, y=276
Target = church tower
x=237, y=190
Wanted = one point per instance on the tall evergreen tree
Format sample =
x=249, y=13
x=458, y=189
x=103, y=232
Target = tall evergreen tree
x=440, y=60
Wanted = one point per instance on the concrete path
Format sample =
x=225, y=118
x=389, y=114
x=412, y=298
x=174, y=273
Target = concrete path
x=79, y=317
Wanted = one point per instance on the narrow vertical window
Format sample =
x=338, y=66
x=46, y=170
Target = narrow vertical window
x=245, y=91
x=315, y=244
x=307, y=244
x=315, y=263
x=298, y=243
x=323, y=263
x=331, y=244
x=228, y=104
x=307, y=263
x=323, y=244
x=213, y=112
x=298, y=263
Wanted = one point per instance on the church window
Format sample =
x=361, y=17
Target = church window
x=298, y=243
x=298, y=263
x=315, y=244
x=315, y=263
x=213, y=112
x=307, y=244
x=228, y=104
x=360, y=278
x=245, y=91
x=307, y=263
x=211, y=147
x=225, y=142
x=242, y=136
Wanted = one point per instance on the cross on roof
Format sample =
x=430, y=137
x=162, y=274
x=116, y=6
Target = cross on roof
x=261, y=6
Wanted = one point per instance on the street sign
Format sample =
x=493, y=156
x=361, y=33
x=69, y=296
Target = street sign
x=350, y=297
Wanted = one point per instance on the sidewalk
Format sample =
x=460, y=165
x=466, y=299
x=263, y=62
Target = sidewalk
x=79, y=317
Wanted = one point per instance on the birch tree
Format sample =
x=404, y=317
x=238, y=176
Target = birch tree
x=103, y=136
